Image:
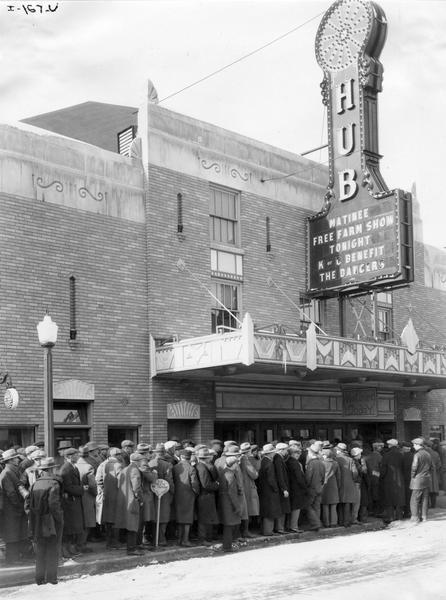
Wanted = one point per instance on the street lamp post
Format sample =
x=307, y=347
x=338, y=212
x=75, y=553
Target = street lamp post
x=47, y=332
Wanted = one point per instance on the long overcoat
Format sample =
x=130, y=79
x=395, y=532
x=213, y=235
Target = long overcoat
x=436, y=470
x=315, y=475
x=373, y=462
x=230, y=495
x=269, y=492
x=348, y=472
x=129, y=501
x=86, y=468
x=332, y=482
x=282, y=481
x=392, y=478
x=72, y=499
x=164, y=470
x=250, y=475
x=298, y=485
x=186, y=490
x=206, y=502
x=15, y=522
x=150, y=501
x=107, y=483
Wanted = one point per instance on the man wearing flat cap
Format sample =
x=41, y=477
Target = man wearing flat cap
x=164, y=471
x=46, y=517
x=15, y=526
x=392, y=482
x=127, y=447
x=130, y=502
x=420, y=482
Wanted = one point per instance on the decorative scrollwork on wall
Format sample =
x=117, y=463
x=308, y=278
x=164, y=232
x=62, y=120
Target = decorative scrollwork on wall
x=83, y=191
x=213, y=165
x=235, y=173
x=57, y=183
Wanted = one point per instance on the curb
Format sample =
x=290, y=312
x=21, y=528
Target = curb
x=110, y=561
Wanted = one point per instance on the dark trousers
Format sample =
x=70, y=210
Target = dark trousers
x=13, y=550
x=131, y=540
x=111, y=535
x=47, y=555
x=229, y=535
x=345, y=513
x=393, y=513
x=205, y=532
x=419, y=501
x=313, y=511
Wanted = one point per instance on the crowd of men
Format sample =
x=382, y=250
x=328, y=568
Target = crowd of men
x=52, y=507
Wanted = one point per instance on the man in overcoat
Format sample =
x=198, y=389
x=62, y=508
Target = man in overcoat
x=231, y=496
x=73, y=527
x=186, y=490
x=130, y=502
x=298, y=487
x=283, y=483
x=46, y=517
x=206, y=501
x=392, y=482
x=128, y=448
x=420, y=482
x=15, y=523
x=164, y=470
x=315, y=477
x=269, y=491
x=347, y=490
x=87, y=465
x=249, y=475
x=373, y=461
x=107, y=485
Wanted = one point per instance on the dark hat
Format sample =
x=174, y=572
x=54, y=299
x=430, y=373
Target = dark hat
x=70, y=451
x=186, y=453
x=188, y=442
x=103, y=446
x=63, y=444
x=39, y=444
x=143, y=447
x=127, y=443
x=47, y=463
x=212, y=442
x=326, y=445
x=405, y=445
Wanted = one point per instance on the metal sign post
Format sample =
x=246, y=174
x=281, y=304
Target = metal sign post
x=159, y=488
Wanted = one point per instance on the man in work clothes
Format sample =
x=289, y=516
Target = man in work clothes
x=46, y=517
x=420, y=481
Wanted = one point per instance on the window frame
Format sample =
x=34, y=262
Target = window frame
x=214, y=215
x=216, y=309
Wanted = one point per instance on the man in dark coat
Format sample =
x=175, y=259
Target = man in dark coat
x=130, y=502
x=15, y=523
x=46, y=517
x=420, y=482
x=392, y=482
x=206, y=502
x=315, y=478
x=298, y=487
x=231, y=494
x=269, y=492
x=127, y=447
x=407, y=452
x=283, y=483
x=186, y=491
x=164, y=470
x=373, y=462
x=72, y=504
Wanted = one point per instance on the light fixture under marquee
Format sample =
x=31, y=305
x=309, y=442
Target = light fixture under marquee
x=362, y=237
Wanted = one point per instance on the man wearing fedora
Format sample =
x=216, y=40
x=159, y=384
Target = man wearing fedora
x=15, y=525
x=392, y=482
x=130, y=502
x=269, y=492
x=71, y=503
x=87, y=466
x=230, y=494
x=420, y=482
x=127, y=447
x=62, y=446
x=164, y=470
x=46, y=517
x=249, y=474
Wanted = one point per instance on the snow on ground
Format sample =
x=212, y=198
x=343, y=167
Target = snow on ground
x=402, y=561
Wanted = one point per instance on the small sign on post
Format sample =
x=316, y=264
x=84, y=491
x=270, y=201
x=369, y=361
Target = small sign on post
x=159, y=488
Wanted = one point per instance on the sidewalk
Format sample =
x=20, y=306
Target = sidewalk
x=105, y=561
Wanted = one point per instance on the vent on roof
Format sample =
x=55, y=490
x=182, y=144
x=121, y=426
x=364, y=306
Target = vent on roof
x=125, y=138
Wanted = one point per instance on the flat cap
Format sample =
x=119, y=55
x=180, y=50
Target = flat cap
x=127, y=443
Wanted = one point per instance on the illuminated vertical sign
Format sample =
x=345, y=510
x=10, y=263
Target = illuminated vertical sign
x=363, y=235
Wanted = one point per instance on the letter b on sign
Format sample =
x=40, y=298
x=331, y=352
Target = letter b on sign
x=347, y=184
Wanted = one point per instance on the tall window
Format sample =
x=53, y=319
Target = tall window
x=229, y=295
x=383, y=316
x=224, y=215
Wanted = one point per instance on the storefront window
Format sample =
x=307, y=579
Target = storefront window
x=16, y=436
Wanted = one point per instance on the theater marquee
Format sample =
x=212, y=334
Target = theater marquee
x=363, y=235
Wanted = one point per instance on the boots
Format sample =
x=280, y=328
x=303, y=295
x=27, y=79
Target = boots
x=185, y=536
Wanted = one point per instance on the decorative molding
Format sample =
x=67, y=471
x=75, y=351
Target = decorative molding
x=213, y=165
x=83, y=191
x=235, y=173
x=73, y=389
x=412, y=414
x=183, y=410
x=56, y=182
